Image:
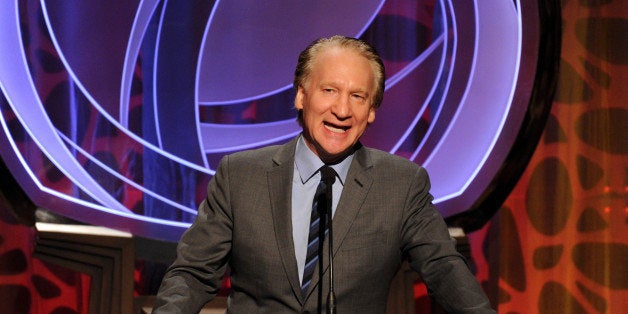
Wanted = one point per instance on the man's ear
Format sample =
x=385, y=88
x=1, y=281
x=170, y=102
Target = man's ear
x=298, y=99
x=371, y=117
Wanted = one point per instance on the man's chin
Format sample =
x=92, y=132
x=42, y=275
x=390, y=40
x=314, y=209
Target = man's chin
x=334, y=156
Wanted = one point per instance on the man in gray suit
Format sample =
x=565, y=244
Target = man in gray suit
x=257, y=214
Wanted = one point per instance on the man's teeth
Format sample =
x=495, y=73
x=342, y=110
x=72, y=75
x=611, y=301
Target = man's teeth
x=334, y=129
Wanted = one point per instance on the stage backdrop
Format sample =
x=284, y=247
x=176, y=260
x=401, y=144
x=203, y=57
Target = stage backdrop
x=557, y=246
x=117, y=115
x=560, y=242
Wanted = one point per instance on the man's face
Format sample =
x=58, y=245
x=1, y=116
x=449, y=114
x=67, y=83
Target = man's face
x=336, y=100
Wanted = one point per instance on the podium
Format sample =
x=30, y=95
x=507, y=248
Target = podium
x=108, y=257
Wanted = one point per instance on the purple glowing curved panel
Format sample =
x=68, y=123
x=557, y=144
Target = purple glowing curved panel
x=235, y=68
x=117, y=115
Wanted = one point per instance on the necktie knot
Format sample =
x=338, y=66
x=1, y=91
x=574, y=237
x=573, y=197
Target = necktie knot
x=328, y=175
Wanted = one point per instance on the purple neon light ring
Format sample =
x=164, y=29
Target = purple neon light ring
x=455, y=99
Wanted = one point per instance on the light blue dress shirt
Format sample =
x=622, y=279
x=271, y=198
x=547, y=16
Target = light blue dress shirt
x=304, y=182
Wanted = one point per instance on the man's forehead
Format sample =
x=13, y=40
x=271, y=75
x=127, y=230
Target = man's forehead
x=338, y=50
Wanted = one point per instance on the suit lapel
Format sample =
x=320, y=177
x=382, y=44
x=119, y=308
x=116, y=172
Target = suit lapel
x=280, y=187
x=353, y=195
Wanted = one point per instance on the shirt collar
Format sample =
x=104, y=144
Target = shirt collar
x=307, y=163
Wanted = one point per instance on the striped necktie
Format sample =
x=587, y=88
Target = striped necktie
x=318, y=227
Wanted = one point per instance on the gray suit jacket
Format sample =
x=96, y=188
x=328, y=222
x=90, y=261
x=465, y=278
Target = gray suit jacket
x=384, y=215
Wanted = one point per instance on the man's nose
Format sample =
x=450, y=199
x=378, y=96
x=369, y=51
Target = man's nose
x=342, y=107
